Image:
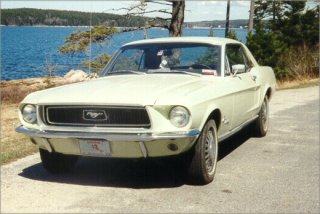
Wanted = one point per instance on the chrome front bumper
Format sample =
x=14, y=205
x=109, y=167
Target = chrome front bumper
x=148, y=144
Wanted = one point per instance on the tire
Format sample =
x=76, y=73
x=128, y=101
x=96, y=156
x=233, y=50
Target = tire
x=56, y=163
x=261, y=124
x=203, y=163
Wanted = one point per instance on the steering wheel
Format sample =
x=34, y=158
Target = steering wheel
x=199, y=66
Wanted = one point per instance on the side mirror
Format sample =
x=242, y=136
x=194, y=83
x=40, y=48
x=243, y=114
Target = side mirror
x=239, y=68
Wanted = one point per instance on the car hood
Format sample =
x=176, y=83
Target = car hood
x=121, y=90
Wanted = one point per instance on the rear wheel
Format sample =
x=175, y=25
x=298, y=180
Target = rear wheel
x=57, y=163
x=203, y=163
x=261, y=125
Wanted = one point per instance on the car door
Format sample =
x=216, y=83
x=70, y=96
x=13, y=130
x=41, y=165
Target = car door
x=243, y=84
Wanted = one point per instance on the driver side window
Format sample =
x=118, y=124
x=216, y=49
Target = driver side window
x=235, y=55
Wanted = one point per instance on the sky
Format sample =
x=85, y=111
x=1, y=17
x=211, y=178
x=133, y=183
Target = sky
x=195, y=10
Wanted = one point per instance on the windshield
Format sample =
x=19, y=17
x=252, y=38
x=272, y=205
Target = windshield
x=168, y=57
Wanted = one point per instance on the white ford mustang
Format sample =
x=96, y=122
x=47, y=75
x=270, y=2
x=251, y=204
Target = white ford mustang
x=157, y=97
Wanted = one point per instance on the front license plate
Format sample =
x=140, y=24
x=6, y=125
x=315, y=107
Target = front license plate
x=95, y=148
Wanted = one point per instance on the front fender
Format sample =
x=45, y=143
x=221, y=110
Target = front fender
x=266, y=79
x=201, y=115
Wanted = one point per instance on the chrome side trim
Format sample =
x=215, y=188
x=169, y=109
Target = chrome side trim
x=119, y=130
x=137, y=137
x=233, y=131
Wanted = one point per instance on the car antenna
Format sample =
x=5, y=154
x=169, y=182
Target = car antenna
x=145, y=33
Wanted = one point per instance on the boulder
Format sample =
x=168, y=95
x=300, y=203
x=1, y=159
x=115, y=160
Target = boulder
x=76, y=76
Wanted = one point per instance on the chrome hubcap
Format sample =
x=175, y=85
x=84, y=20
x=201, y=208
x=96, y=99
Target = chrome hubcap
x=210, y=151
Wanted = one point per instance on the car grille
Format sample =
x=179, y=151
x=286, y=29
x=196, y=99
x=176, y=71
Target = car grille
x=96, y=116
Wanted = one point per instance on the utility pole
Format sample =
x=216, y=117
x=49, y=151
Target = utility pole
x=251, y=16
x=227, y=19
x=273, y=11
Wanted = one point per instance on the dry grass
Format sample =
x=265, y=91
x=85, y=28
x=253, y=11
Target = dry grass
x=14, y=94
x=15, y=90
x=301, y=62
x=291, y=84
x=12, y=145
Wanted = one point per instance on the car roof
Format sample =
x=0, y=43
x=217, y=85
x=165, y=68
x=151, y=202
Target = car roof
x=191, y=39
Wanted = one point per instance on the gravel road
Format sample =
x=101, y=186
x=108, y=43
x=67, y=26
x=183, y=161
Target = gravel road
x=277, y=173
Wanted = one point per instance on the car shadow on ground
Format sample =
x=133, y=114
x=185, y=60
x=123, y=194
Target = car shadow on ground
x=142, y=173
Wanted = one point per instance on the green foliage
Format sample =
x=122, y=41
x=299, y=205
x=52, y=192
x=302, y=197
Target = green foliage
x=267, y=47
x=232, y=35
x=79, y=41
x=30, y=16
x=98, y=63
x=290, y=25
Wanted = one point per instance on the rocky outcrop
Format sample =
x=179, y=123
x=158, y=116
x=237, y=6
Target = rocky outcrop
x=13, y=91
x=75, y=76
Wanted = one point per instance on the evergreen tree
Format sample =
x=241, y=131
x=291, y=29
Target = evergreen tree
x=280, y=27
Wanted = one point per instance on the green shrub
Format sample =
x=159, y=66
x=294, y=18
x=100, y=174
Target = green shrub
x=288, y=42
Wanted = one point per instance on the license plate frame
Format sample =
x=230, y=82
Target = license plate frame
x=95, y=147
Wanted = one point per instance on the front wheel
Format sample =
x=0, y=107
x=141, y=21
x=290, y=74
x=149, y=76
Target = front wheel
x=203, y=163
x=261, y=124
x=57, y=163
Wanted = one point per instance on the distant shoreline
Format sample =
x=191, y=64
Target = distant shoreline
x=84, y=26
x=43, y=26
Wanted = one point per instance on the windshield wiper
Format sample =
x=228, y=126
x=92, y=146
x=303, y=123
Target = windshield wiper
x=168, y=71
x=125, y=72
x=186, y=72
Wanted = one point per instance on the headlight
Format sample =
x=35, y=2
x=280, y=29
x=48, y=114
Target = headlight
x=179, y=116
x=29, y=113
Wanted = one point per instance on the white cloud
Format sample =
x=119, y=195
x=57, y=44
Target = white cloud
x=210, y=3
x=240, y=3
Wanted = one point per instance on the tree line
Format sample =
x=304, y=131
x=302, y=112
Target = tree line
x=29, y=17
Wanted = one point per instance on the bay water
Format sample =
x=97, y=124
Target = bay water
x=33, y=51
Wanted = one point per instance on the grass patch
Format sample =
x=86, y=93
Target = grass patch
x=12, y=145
x=13, y=149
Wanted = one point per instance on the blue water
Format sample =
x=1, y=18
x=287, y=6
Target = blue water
x=29, y=51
